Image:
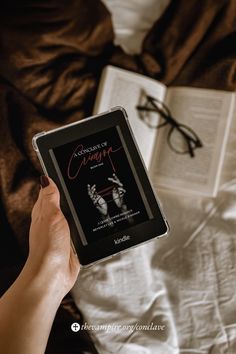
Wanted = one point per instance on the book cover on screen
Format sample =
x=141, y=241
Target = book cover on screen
x=98, y=177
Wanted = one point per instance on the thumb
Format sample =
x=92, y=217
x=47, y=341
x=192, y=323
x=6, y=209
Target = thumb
x=49, y=192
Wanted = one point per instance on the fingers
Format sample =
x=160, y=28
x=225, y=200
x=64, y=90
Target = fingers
x=37, y=207
x=49, y=194
x=115, y=180
x=92, y=192
x=121, y=190
x=48, y=199
x=118, y=192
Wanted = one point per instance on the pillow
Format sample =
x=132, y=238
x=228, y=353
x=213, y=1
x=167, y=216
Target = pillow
x=132, y=20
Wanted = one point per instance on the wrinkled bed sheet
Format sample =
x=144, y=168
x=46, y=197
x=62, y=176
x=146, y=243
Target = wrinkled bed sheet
x=133, y=19
x=186, y=281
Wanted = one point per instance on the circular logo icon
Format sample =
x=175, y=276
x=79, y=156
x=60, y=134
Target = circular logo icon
x=75, y=327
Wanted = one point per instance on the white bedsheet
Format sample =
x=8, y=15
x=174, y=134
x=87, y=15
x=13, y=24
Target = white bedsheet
x=186, y=281
x=132, y=19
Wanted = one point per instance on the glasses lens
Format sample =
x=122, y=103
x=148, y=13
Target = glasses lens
x=155, y=114
x=149, y=113
x=182, y=140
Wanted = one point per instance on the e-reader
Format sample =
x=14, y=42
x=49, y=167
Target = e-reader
x=106, y=194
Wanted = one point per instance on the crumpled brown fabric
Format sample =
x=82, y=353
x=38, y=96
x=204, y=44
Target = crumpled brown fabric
x=51, y=57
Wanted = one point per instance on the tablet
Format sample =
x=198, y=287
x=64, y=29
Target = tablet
x=105, y=191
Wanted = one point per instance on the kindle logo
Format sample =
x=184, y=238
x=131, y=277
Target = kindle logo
x=121, y=239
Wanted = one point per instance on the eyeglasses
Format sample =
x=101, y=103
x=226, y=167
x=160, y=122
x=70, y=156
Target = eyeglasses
x=181, y=138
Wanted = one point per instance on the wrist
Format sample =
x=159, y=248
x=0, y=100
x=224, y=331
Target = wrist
x=124, y=208
x=41, y=284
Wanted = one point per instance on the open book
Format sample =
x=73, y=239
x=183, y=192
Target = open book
x=207, y=112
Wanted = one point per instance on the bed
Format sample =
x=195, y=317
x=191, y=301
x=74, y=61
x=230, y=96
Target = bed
x=186, y=282
x=52, y=54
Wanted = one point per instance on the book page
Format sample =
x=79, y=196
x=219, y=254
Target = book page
x=229, y=165
x=120, y=87
x=208, y=113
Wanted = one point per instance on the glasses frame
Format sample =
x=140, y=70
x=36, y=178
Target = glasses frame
x=191, y=138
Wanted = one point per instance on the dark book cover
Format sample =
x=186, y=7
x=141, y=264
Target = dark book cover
x=101, y=184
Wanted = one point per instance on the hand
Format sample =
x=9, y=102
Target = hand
x=118, y=191
x=28, y=308
x=97, y=200
x=51, y=256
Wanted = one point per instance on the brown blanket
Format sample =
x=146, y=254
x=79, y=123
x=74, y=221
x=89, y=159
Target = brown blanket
x=51, y=56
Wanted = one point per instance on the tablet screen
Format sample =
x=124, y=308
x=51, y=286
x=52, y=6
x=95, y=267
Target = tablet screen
x=101, y=184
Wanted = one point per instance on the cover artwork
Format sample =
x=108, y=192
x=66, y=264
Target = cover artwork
x=101, y=184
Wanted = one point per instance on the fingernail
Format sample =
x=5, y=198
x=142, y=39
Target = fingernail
x=44, y=181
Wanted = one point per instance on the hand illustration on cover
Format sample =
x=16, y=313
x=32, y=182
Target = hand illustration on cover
x=97, y=200
x=118, y=192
